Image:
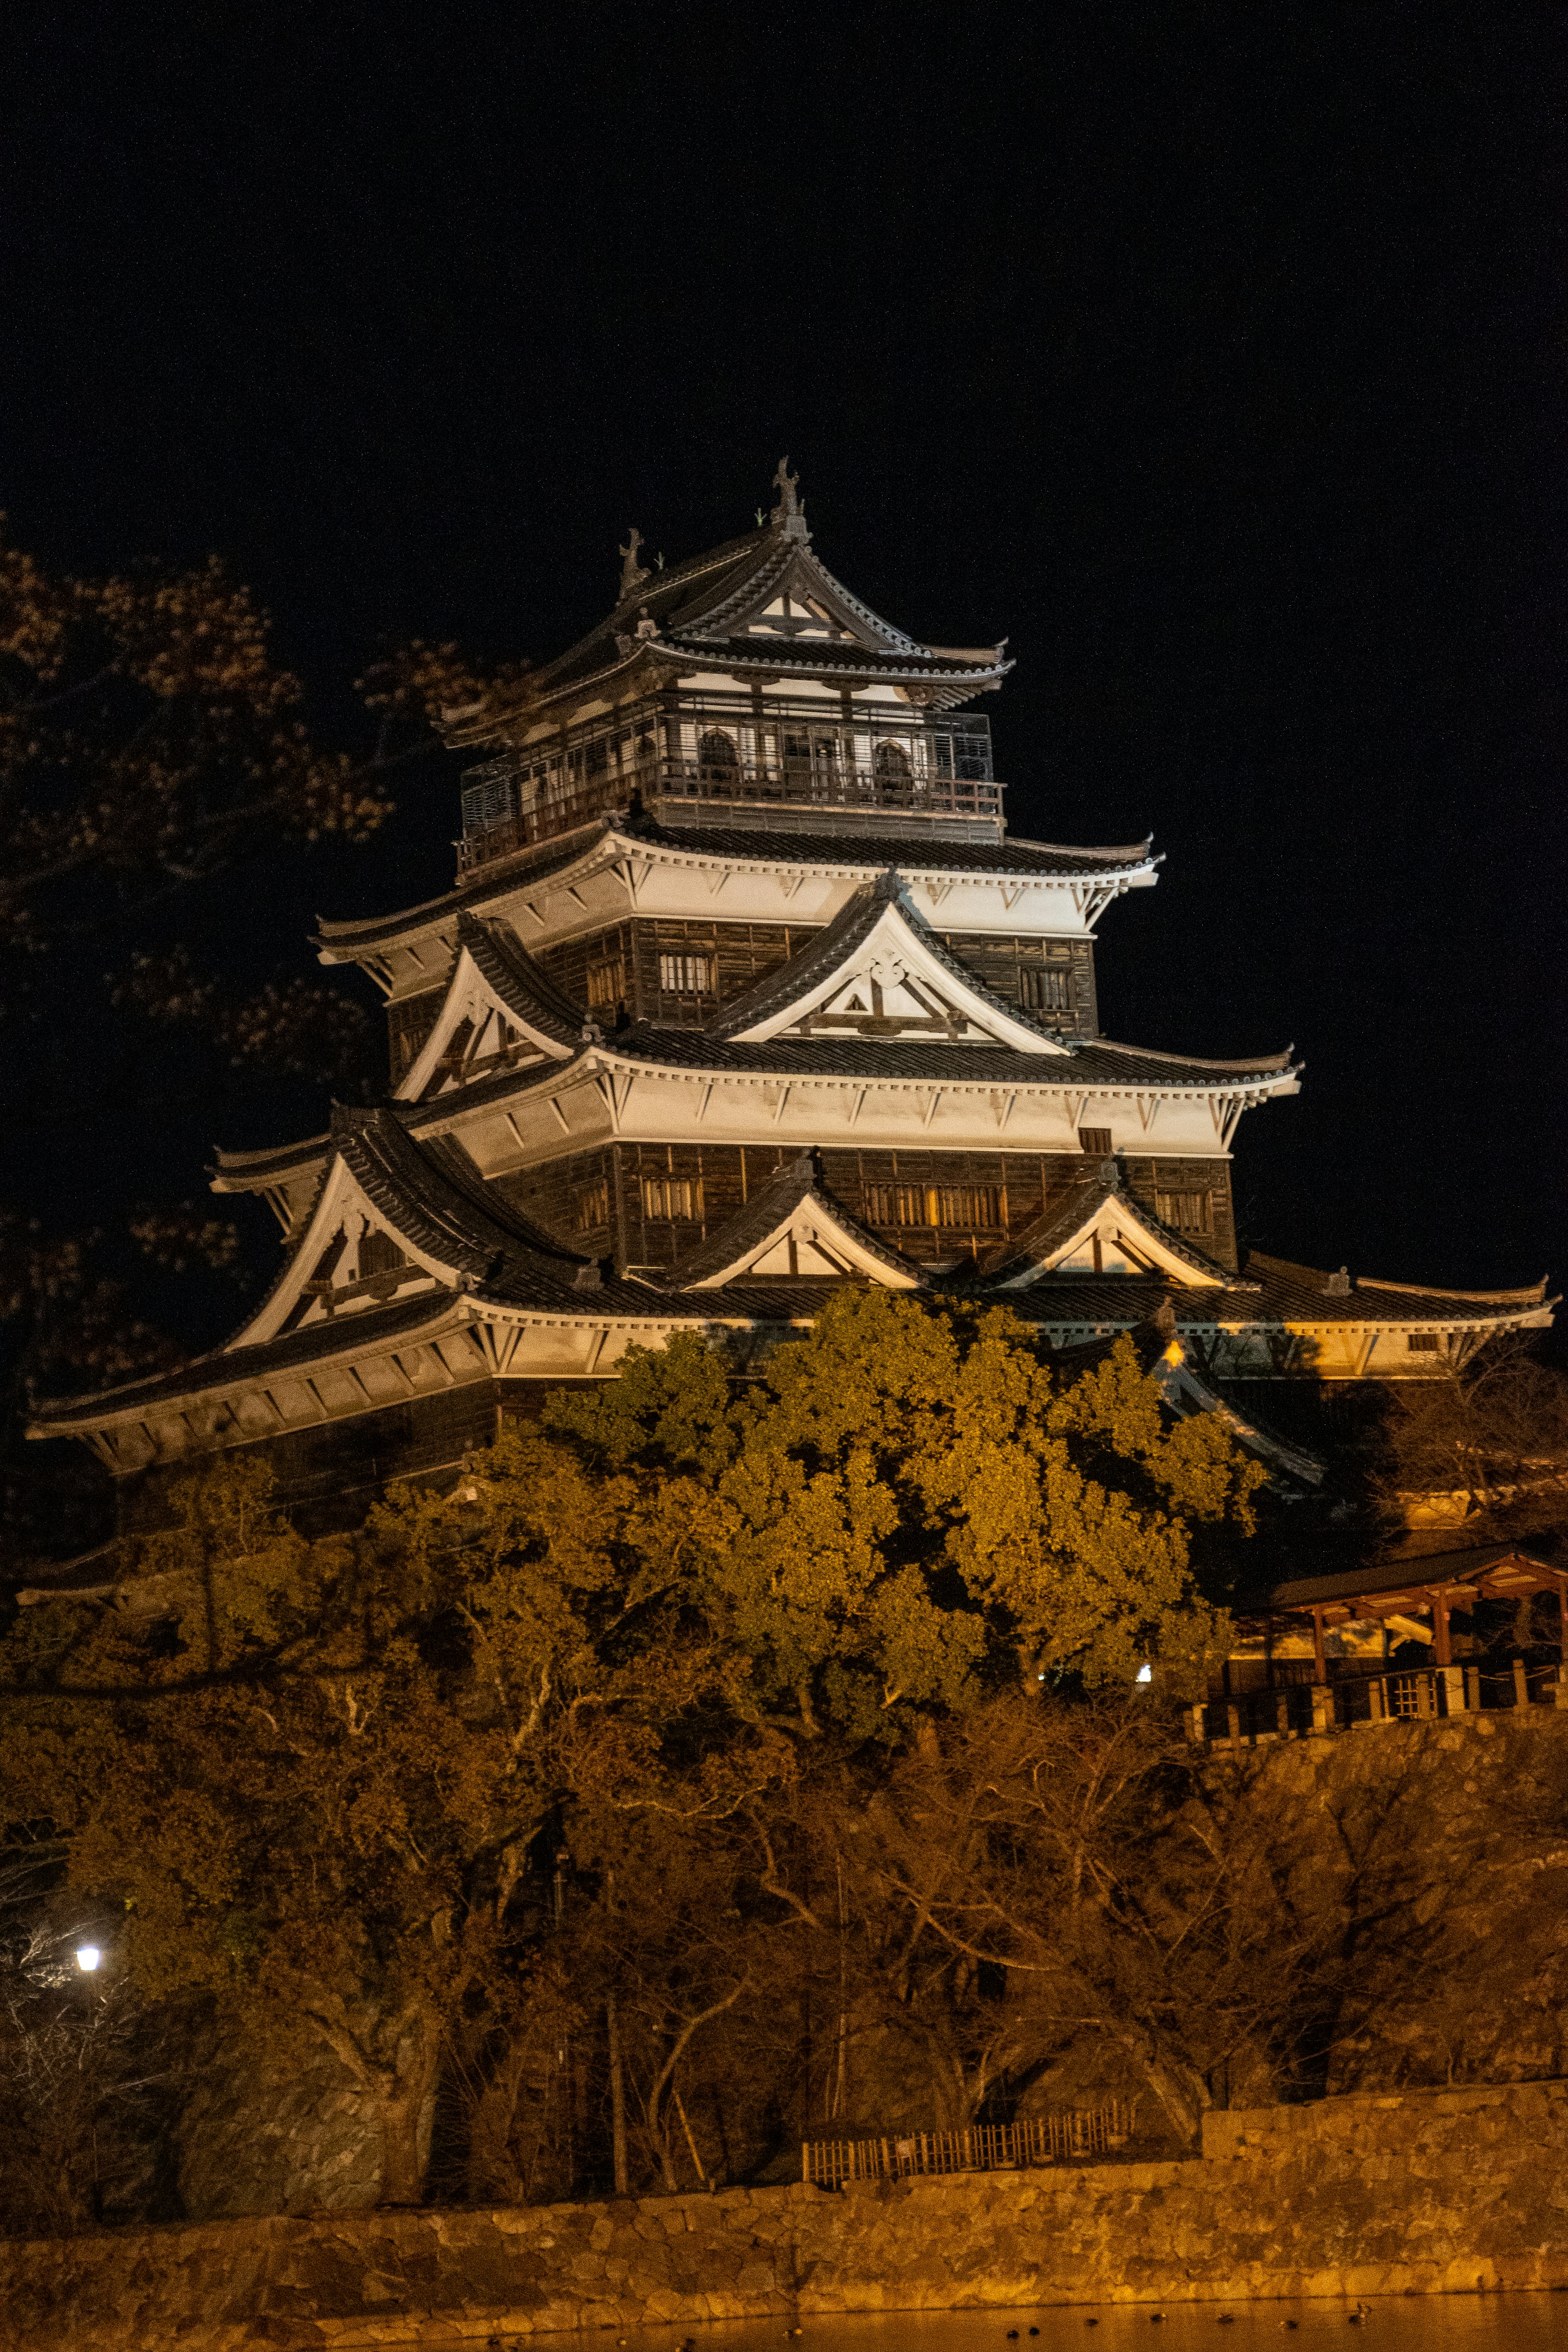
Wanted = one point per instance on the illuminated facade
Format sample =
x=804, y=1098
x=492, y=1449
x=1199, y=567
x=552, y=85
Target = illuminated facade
x=745, y=991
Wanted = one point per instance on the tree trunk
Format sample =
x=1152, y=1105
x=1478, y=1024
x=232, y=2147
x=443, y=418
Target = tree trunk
x=617, y=2098
x=408, y=2113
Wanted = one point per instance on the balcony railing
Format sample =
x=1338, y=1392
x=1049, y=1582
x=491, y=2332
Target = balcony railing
x=812, y=787
x=1296, y=1708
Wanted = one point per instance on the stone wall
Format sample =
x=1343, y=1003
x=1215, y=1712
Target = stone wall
x=1423, y=2192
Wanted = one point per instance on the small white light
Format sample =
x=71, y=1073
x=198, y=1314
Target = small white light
x=1145, y=1673
x=88, y=1957
x=1039, y=1678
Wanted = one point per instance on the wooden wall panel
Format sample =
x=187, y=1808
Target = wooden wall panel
x=1002, y=963
x=1146, y=1180
x=736, y=953
x=571, y=1198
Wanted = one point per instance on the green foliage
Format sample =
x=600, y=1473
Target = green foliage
x=312, y=1775
x=914, y=1508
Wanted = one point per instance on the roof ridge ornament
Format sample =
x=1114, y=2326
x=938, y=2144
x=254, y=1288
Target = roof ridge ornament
x=633, y=574
x=789, y=516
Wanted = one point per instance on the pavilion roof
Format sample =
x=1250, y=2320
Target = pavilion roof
x=1402, y=1580
x=704, y=613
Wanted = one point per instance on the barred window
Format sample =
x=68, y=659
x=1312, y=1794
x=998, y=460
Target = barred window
x=1185, y=1213
x=933, y=1204
x=1095, y=1140
x=591, y=1207
x=1045, y=991
x=1425, y=1343
x=685, y=975
x=670, y=1197
x=891, y=764
x=607, y=982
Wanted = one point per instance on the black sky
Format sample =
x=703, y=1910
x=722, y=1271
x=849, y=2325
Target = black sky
x=1213, y=355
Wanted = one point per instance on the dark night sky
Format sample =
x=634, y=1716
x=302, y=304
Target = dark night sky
x=1211, y=354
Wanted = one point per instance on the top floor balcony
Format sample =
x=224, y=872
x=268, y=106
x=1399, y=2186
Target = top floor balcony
x=797, y=773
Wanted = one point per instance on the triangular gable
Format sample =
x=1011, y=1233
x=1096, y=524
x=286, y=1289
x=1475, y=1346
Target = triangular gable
x=794, y=1231
x=390, y=1219
x=878, y=972
x=1100, y=1229
x=347, y=1230
x=500, y=1013
x=796, y=597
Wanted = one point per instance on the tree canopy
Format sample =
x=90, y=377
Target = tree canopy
x=321, y=1777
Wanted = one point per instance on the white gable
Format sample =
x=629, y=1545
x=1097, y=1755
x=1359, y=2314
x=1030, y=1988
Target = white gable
x=810, y=1241
x=893, y=984
x=333, y=1272
x=475, y=1031
x=1115, y=1239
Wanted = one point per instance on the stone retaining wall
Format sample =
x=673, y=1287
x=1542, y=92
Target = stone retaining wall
x=1419, y=2192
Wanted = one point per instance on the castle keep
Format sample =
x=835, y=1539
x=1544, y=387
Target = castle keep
x=745, y=991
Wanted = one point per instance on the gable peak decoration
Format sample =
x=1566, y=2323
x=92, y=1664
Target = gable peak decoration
x=788, y=516
x=633, y=574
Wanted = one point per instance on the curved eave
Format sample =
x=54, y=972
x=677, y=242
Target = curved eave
x=734, y=655
x=609, y=837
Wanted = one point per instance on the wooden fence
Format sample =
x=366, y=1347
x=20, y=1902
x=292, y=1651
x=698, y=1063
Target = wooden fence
x=984, y=2147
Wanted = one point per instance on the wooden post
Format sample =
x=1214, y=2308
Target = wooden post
x=1320, y=1656
x=1520, y=1684
x=1441, y=1655
x=1563, y=1620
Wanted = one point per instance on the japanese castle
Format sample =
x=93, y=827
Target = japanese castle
x=745, y=991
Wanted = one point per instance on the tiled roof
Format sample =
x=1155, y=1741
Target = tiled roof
x=518, y=981
x=844, y=853
x=429, y=1199
x=872, y=852
x=275, y=1160
x=812, y=655
x=1300, y=1294
x=222, y=1366
x=1120, y=1301
x=1398, y=1572
x=1081, y=1067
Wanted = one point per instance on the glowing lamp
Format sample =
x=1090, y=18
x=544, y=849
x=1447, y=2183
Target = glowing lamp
x=1145, y=1673
x=88, y=1957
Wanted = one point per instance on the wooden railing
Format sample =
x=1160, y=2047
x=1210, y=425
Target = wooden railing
x=804, y=787
x=984, y=2148
x=1410, y=1694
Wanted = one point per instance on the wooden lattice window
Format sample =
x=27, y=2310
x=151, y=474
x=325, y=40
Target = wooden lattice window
x=934, y=1205
x=891, y=764
x=1046, y=991
x=1424, y=1343
x=591, y=1207
x=1095, y=1140
x=686, y=975
x=1185, y=1213
x=606, y=982
x=668, y=1199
